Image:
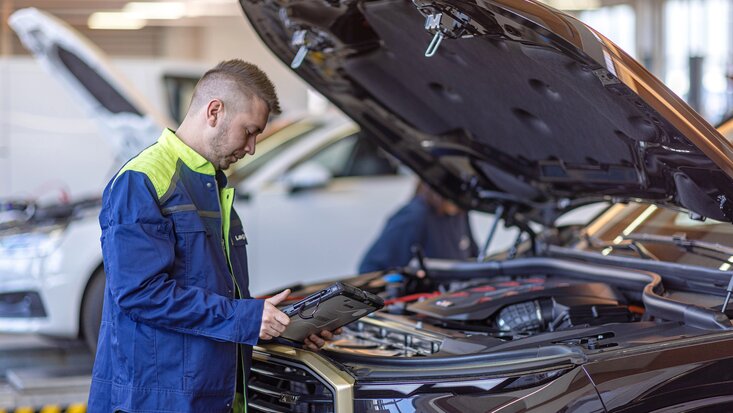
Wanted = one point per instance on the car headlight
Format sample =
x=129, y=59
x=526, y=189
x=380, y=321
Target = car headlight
x=36, y=243
x=429, y=396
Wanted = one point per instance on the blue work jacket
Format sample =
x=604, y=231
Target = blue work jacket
x=416, y=223
x=175, y=258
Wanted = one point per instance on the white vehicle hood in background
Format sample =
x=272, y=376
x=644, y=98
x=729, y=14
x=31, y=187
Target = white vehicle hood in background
x=124, y=116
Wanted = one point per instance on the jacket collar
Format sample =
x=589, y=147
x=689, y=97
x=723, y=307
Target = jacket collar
x=191, y=158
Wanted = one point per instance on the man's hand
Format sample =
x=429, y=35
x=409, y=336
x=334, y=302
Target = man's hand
x=315, y=342
x=274, y=321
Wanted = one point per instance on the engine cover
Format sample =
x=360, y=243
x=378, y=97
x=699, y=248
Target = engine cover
x=482, y=302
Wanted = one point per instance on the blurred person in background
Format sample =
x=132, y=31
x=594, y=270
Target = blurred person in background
x=427, y=222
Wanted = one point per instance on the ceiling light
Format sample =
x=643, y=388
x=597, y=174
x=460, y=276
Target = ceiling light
x=202, y=8
x=574, y=4
x=156, y=10
x=115, y=21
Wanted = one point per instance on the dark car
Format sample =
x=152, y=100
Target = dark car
x=514, y=108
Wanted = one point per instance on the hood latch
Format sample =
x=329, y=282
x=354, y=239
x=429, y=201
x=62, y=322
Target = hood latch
x=445, y=23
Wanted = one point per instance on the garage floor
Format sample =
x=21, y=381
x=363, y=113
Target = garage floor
x=37, y=375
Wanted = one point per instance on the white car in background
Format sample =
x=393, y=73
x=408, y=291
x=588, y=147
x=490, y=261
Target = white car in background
x=313, y=198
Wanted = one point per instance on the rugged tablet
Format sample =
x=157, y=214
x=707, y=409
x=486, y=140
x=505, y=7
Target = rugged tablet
x=328, y=309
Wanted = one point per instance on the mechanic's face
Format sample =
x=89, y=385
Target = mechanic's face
x=237, y=133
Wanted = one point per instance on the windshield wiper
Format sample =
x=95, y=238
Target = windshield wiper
x=626, y=244
x=690, y=245
x=680, y=240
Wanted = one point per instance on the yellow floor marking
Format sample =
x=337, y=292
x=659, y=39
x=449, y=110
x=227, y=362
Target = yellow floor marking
x=77, y=408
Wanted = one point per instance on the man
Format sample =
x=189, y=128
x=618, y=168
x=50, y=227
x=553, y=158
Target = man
x=178, y=322
x=439, y=227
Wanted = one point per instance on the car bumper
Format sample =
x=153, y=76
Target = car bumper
x=36, y=298
x=21, y=303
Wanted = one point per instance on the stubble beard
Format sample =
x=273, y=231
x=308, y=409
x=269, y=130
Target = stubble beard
x=220, y=159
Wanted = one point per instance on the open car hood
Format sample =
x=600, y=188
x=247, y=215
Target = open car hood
x=128, y=120
x=519, y=105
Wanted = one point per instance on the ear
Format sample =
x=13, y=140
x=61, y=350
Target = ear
x=214, y=112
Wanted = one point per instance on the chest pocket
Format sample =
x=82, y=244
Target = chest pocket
x=188, y=221
x=198, y=249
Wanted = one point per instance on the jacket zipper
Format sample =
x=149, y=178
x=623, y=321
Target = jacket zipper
x=226, y=211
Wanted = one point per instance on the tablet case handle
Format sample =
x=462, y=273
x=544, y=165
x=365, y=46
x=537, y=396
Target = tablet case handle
x=306, y=317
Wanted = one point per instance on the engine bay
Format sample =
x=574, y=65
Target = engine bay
x=469, y=308
x=506, y=308
x=525, y=305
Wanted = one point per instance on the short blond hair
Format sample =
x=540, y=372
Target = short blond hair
x=232, y=76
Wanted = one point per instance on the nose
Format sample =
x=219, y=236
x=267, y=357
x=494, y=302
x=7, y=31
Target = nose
x=249, y=148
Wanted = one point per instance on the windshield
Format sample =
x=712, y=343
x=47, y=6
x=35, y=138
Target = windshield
x=271, y=147
x=612, y=230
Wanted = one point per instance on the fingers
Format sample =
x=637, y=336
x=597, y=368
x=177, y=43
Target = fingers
x=317, y=340
x=272, y=315
x=274, y=321
x=272, y=331
x=329, y=335
x=281, y=318
x=277, y=299
x=310, y=345
x=326, y=334
x=313, y=342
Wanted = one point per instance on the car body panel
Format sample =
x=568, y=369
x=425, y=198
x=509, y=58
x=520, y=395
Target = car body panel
x=60, y=278
x=726, y=129
x=599, y=125
x=572, y=392
x=668, y=378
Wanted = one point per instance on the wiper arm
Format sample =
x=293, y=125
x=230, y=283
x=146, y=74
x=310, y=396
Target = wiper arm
x=627, y=244
x=691, y=245
x=681, y=241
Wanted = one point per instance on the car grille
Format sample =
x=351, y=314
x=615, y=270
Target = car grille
x=283, y=386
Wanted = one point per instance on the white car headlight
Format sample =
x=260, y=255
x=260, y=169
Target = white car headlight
x=37, y=243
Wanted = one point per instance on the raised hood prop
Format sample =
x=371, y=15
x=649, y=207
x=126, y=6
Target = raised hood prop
x=503, y=102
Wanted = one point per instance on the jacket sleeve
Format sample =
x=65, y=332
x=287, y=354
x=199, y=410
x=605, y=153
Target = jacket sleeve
x=392, y=247
x=138, y=245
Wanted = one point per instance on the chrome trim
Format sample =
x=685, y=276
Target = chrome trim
x=340, y=382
